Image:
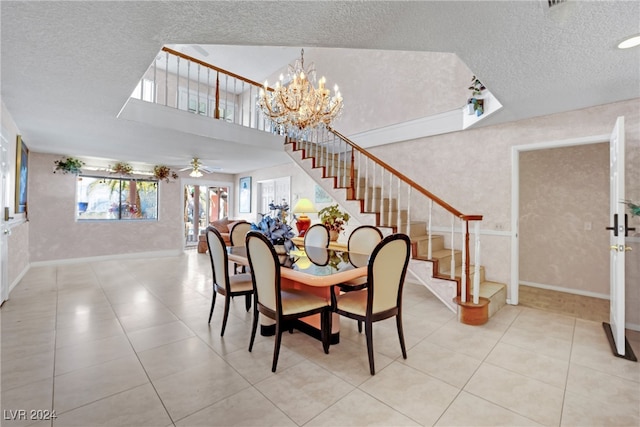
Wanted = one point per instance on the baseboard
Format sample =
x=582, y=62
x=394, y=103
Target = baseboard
x=155, y=254
x=565, y=290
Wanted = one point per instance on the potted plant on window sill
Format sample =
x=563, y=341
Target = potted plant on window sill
x=475, y=104
x=334, y=219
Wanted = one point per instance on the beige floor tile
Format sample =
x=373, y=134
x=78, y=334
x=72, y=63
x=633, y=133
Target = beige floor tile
x=90, y=353
x=447, y=365
x=530, y=364
x=349, y=360
x=168, y=359
x=146, y=319
x=303, y=391
x=524, y=366
x=85, y=331
x=584, y=411
x=23, y=345
x=256, y=366
x=139, y=406
x=469, y=410
x=465, y=339
x=360, y=409
x=596, y=353
x=404, y=389
x=603, y=387
x=87, y=385
x=538, y=341
x=525, y=396
x=26, y=370
x=190, y=390
x=247, y=408
x=33, y=396
x=144, y=339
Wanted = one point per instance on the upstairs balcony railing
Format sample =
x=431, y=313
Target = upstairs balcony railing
x=180, y=81
x=398, y=202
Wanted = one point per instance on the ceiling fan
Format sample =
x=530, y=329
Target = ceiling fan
x=197, y=168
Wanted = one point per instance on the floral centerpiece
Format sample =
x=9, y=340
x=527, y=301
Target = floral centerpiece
x=281, y=210
x=277, y=231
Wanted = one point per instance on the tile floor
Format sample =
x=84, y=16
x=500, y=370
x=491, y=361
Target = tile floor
x=127, y=343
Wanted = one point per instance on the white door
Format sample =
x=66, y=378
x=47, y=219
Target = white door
x=617, y=239
x=4, y=229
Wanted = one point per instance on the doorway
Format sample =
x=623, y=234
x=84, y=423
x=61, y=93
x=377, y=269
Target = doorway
x=203, y=203
x=572, y=223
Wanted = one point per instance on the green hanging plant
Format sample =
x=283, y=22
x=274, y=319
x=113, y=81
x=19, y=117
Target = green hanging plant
x=69, y=165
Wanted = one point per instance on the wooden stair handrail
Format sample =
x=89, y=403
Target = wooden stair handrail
x=408, y=180
x=213, y=67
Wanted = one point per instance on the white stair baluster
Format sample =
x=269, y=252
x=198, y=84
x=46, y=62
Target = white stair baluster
x=429, y=249
x=391, y=197
x=409, y=211
x=463, y=275
x=399, y=216
x=452, y=265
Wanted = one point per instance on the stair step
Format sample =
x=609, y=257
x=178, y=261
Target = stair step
x=496, y=293
x=458, y=272
x=437, y=244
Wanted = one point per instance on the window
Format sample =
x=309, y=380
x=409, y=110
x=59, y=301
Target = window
x=100, y=198
x=144, y=90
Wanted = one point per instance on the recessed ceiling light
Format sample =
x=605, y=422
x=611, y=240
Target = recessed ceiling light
x=632, y=41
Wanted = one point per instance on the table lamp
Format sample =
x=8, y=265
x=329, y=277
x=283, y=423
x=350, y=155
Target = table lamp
x=302, y=207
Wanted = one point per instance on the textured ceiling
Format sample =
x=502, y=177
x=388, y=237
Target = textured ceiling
x=68, y=67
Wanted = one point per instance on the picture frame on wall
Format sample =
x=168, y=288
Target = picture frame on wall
x=322, y=196
x=245, y=195
x=22, y=175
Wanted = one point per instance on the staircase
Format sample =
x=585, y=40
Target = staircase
x=370, y=190
x=376, y=194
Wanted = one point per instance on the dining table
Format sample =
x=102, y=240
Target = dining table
x=315, y=270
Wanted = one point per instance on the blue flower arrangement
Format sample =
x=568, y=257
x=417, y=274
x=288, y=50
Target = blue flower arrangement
x=277, y=231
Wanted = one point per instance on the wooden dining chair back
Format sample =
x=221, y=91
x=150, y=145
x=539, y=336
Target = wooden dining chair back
x=317, y=236
x=236, y=237
x=382, y=298
x=362, y=241
x=223, y=284
x=282, y=305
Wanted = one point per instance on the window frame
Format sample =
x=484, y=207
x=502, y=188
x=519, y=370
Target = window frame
x=124, y=184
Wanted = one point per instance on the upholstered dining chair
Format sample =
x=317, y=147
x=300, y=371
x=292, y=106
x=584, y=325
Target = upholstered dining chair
x=361, y=242
x=236, y=237
x=317, y=236
x=382, y=298
x=282, y=305
x=223, y=284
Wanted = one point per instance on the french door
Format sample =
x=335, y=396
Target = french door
x=203, y=204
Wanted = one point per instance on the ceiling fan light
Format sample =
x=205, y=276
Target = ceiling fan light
x=195, y=173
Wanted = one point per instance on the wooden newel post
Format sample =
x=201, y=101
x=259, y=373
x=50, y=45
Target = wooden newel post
x=217, y=112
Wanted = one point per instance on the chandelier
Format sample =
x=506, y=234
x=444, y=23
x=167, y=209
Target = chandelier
x=297, y=105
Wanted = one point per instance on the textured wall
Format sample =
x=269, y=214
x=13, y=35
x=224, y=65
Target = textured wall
x=471, y=170
x=564, y=208
x=55, y=235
